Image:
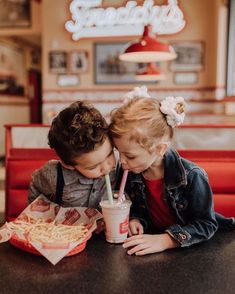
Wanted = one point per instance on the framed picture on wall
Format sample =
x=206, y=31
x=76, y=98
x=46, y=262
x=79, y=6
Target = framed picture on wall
x=58, y=61
x=68, y=80
x=108, y=69
x=185, y=78
x=12, y=67
x=190, y=56
x=15, y=14
x=78, y=61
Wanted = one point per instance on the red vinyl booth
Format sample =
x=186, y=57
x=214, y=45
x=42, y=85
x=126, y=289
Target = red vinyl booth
x=21, y=161
x=220, y=167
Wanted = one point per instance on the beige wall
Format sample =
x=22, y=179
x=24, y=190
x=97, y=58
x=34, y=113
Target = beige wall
x=202, y=20
x=206, y=21
x=12, y=113
x=35, y=27
x=14, y=109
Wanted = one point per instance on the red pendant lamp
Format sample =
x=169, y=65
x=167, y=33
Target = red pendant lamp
x=150, y=73
x=148, y=49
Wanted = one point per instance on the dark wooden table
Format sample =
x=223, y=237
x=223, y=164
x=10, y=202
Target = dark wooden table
x=106, y=268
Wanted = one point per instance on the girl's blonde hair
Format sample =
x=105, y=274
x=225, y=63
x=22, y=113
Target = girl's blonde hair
x=143, y=120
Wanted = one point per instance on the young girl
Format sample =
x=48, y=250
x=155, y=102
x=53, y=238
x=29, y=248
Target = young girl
x=169, y=193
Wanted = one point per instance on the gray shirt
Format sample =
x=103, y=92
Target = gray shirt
x=78, y=190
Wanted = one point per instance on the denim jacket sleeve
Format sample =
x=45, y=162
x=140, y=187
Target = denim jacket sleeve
x=201, y=223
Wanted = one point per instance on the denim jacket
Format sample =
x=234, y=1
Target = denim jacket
x=188, y=194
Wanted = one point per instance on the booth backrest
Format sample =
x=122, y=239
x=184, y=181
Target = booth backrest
x=23, y=156
x=22, y=161
x=18, y=175
x=220, y=167
x=205, y=137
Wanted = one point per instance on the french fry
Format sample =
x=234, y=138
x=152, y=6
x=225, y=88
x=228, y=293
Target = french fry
x=39, y=230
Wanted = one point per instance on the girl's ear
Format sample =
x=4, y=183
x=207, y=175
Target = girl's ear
x=161, y=149
x=67, y=166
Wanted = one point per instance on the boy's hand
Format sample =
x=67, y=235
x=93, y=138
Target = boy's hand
x=135, y=228
x=100, y=226
x=146, y=244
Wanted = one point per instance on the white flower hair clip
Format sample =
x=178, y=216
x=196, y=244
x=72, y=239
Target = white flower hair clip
x=173, y=108
x=138, y=92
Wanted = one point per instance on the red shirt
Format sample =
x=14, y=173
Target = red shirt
x=161, y=214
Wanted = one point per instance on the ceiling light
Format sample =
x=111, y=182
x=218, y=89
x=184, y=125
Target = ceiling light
x=150, y=73
x=148, y=49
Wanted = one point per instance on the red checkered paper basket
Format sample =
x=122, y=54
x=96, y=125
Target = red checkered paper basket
x=43, y=213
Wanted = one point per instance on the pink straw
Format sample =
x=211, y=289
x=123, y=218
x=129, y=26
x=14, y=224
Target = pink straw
x=122, y=186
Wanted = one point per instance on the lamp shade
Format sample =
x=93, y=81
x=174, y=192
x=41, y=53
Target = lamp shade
x=150, y=73
x=148, y=49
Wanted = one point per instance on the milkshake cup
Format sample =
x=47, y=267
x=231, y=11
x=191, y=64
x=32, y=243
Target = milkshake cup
x=116, y=218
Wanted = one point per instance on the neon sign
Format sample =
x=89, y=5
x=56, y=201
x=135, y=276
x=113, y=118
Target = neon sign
x=89, y=20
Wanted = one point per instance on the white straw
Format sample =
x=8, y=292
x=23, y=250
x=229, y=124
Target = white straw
x=109, y=189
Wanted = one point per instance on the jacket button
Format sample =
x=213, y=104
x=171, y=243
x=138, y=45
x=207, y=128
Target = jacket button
x=180, y=206
x=182, y=236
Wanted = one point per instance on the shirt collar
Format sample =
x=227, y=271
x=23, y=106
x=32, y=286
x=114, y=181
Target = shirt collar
x=71, y=176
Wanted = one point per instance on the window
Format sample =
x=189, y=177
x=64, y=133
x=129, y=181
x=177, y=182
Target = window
x=231, y=51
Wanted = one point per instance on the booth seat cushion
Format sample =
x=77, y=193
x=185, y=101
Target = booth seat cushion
x=16, y=202
x=221, y=176
x=19, y=172
x=225, y=204
x=18, y=176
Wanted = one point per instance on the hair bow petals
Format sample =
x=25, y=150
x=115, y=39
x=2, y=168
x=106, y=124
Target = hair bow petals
x=173, y=108
x=138, y=92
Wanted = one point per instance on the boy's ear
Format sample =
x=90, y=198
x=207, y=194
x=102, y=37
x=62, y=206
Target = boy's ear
x=67, y=166
x=161, y=149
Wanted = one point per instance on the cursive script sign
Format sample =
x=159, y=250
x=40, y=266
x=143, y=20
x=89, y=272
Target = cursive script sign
x=88, y=20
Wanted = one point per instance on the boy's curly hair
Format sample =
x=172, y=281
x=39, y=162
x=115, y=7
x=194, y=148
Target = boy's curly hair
x=80, y=128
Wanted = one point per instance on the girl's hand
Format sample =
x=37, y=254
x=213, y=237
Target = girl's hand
x=135, y=228
x=100, y=226
x=146, y=244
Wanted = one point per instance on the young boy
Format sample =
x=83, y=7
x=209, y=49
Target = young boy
x=79, y=136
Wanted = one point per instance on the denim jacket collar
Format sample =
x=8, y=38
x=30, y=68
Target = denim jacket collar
x=175, y=175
